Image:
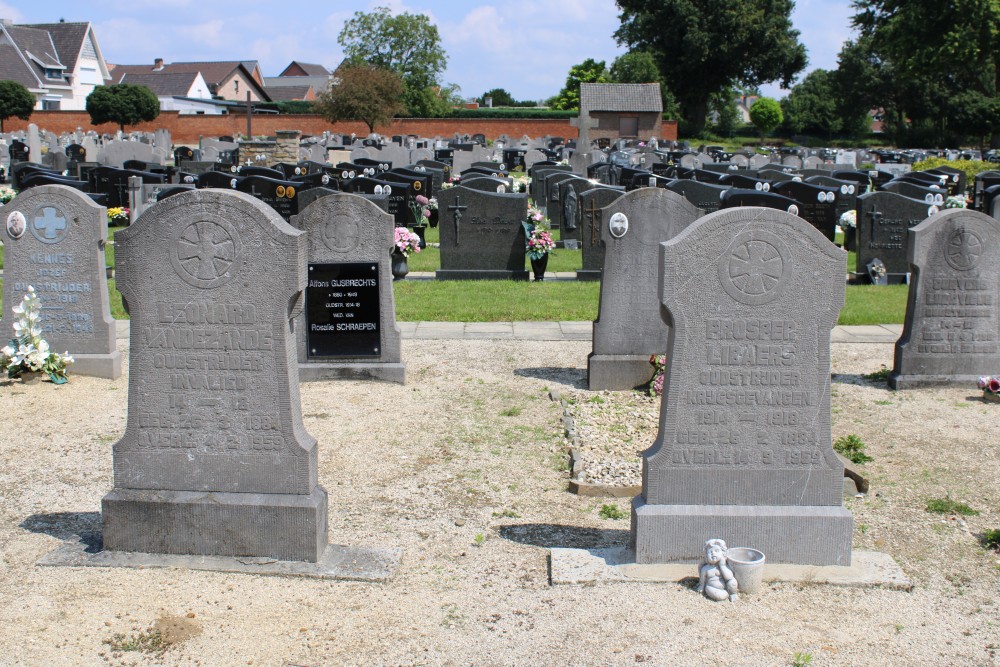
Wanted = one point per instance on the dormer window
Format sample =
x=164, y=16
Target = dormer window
x=53, y=73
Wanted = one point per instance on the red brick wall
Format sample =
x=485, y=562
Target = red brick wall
x=187, y=129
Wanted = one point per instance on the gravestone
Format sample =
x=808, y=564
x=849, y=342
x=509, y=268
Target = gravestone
x=706, y=196
x=482, y=236
x=817, y=204
x=744, y=447
x=280, y=195
x=628, y=328
x=54, y=238
x=952, y=330
x=348, y=329
x=214, y=459
x=590, y=205
x=882, y=224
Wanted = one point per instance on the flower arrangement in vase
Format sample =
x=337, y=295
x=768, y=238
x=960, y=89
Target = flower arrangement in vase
x=990, y=386
x=406, y=242
x=118, y=215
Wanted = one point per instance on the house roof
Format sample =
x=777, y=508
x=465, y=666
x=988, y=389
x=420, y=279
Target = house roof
x=319, y=83
x=162, y=83
x=286, y=93
x=68, y=39
x=310, y=69
x=633, y=97
x=36, y=44
x=14, y=67
x=214, y=72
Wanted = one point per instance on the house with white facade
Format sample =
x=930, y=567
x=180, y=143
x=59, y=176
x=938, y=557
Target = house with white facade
x=59, y=63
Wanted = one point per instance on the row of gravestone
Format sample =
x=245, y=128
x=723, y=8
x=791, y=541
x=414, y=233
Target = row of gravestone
x=215, y=459
x=214, y=437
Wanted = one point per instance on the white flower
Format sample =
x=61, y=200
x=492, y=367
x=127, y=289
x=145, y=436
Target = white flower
x=7, y=351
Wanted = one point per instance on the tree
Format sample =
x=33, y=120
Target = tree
x=501, y=98
x=122, y=103
x=589, y=71
x=640, y=67
x=766, y=116
x=723, y=107
x=942, y=56
x=703, y=47
x=407, y=44
x=811, y=106
x=15, y=101
x=363, y=93
x=861, y=83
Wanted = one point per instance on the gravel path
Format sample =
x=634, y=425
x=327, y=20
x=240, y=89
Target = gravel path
x=464, y=468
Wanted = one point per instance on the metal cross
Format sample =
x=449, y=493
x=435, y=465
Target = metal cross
x=457, y=209
x=876, y=216
x=594, y=217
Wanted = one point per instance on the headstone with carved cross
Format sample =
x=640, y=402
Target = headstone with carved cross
x=215, y=459
x=744, y=447
x=883, y=221
x=347, y=329
x=952, y=330
x=54, y=238
x=591, y=218
x=482, y=237
x=628, y=328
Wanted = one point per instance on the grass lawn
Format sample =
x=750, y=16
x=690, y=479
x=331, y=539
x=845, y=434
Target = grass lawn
x=505, y=300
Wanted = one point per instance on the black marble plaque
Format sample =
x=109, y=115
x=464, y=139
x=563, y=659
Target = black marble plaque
x=342, y=310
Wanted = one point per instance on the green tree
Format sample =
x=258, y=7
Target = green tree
x=766, y=116
x=942, y=56
x=363, y=93
x=407, y=44
x=707, y=46
x=501, y=98
x=16, y=101
x=811, y=106
x=122, y=103
x=640, y=67
x=723, y=107
x=861, y=84
x=589, y=71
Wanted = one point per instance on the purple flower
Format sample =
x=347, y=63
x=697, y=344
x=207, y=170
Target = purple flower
x=984, y=380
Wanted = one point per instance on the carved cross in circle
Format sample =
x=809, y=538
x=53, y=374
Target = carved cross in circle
x=457, y=208
x=51, y=225
x=207, y=253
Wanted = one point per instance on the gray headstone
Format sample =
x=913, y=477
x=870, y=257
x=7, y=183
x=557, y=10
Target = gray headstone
x=744, y=448
x=482, y=237
x=706, y=196
x=952, y=329
x=214, y=459
x=348, y=326
x=590, y=206
x=628, y=328
x=54, y=238
x=882, y=224
x=34, y=142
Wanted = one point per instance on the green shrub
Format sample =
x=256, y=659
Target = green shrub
x=991, y=538
x=948, y=506
x=609, y=511
x=970, y=167
x=852, y=448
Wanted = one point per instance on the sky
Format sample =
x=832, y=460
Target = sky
x=526, y=48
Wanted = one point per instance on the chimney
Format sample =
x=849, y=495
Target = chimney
x=158, y=64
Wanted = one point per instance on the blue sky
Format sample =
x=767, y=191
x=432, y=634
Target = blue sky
x=524, y=47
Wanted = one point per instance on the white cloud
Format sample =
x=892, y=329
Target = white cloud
x=12, y=13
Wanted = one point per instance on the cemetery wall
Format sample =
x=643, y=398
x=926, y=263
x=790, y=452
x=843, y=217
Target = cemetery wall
x=187, y=128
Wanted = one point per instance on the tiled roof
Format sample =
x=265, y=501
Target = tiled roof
x=284, y=93
x=13, y=67
x=162, y=83
x=68, y=39
x=36, y=42
x=215, y=72
x=310, y=69
x=318, y=83
x=634, y=97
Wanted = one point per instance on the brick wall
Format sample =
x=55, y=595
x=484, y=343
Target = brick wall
x=187, y=129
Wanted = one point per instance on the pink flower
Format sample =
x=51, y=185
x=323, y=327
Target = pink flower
x=422, y=199
x=994, y=385
x=427, y=213
x=984, y=380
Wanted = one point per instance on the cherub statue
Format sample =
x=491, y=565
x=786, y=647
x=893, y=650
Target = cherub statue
x=715, y=579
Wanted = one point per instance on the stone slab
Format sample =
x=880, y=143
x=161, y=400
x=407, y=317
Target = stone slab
x=617, y=372
x=221, y=524
x=467, y=274
x=868, y=569
x=804, y=534
x=357, y=370
x=337, y=562
x=108, y=366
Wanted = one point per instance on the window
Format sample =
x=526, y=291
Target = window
x=50, y=105
x=628, y=126
x=236, y=86
x=53, y=73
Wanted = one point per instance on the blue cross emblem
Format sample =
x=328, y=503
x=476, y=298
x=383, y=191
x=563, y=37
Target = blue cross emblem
x=50, y=226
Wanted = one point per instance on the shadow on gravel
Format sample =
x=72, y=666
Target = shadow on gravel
x=572, y=377
x=858, y=379
x=85, y=526
x=550, y=535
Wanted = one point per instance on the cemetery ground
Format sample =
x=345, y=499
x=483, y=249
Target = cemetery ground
x=465, y=469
